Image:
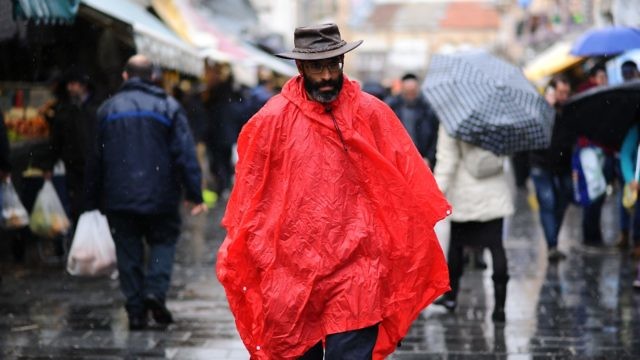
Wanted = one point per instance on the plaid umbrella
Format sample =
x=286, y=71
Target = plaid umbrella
x=488, y=102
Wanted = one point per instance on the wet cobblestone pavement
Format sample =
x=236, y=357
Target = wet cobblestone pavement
x=581, y=308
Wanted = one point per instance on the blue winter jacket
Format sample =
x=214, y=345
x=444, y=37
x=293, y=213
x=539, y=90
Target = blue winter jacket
x=144, y=155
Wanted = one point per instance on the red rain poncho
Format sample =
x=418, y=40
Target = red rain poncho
x=322, y=240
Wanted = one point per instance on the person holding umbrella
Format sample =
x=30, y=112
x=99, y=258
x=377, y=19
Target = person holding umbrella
x=474, y=182
x=551, y=171
x=487, y=109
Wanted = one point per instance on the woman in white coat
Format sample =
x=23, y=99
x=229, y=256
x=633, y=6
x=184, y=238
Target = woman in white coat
x=474, y=182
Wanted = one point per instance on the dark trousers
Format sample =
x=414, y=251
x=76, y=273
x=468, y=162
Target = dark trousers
x=161, y=234
x=554, y=194
x=591, y=215
x=474, y=233
x=221, y=167
x=349, y=345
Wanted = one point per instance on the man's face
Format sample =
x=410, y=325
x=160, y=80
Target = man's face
x=600, y=78
x=76, y=89
x=323, y=78
x=629, y=73
x=410, y=89
x=563, y=90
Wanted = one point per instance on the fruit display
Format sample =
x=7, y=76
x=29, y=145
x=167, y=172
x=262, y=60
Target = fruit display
x=25, y=123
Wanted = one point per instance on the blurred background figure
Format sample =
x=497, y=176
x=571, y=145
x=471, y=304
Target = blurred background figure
x=224, y=113
x=5, y=166
x=418, y=118
x=72, y=129
x=475, y=184
x=591, y=213
x=630, y=228
x=376, y=89
x=551, y=170
x=597, y=76
x=261, y=93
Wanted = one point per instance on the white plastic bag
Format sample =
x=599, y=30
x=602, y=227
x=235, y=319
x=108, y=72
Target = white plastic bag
x=48, y=218
x=14, y=215
x=93, y=251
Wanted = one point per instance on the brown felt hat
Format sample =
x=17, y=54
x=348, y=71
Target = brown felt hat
x=318, y=42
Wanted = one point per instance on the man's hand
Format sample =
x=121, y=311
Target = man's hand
x=197, y=209
x=633, y=185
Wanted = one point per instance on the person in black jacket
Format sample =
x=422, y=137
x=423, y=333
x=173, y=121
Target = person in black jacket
x=143, y=159
x=418, y=118
x=72, y=129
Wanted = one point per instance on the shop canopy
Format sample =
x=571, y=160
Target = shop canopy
x=46, y=11
x=151, y=37
x=202, y=30
x=551, y=61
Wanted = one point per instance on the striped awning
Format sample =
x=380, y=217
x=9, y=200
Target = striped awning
x=46, y=11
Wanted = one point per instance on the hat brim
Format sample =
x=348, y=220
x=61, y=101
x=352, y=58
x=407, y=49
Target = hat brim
x=320, y=55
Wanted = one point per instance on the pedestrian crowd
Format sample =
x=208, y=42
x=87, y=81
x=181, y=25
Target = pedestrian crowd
x=330, y=248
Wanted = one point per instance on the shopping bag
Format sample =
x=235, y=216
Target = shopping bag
x=48, y=217
x=14, y=215
x=589, y=182
x=93, y=251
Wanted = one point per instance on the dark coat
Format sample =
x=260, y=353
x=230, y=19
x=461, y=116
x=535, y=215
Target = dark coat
x=72, y=130
x=426, y=128
x=145, y=153
x=4, y=147
x=557, y=157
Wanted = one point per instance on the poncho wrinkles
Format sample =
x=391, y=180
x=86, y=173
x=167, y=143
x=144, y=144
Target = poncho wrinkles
x=322, y=240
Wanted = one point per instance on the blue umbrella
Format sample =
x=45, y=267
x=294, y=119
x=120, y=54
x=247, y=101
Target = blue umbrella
x=607, y=41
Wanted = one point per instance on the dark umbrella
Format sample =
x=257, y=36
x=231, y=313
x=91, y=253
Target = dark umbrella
x=488, y=102
x=607, y=41
x=604, y=114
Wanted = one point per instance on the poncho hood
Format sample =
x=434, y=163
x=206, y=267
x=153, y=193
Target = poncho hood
x=329, y=225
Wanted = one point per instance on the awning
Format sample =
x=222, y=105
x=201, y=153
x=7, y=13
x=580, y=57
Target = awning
x=46, y=11
x=151, y=37
x=202, y=31
x=259, y=57
x=551, y=61
x=196, y=29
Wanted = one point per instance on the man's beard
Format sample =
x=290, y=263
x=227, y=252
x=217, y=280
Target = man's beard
x=313, y=89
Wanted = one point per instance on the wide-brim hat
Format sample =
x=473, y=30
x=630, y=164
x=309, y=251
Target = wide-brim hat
x=318, y=42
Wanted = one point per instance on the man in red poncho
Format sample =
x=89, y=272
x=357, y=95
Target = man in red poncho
x=330, y=223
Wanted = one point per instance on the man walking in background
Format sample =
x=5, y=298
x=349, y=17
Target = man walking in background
x=143, y=159
x=418, y=118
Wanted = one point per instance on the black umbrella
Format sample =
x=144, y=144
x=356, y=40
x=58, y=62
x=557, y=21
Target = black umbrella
x=604, y=114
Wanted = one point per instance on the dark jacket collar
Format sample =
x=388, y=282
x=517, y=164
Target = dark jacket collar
x=138, y=84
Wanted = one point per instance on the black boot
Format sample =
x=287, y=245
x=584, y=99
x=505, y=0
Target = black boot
x=449, y=300
x=500, y=294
